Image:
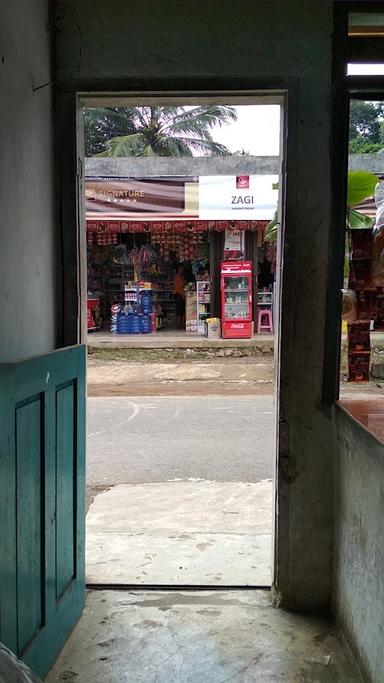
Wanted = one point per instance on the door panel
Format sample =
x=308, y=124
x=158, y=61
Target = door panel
x=42, y=503
x=29, y=520
x=66, y=475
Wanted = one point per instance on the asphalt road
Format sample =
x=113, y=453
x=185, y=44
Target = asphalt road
x=156, y=439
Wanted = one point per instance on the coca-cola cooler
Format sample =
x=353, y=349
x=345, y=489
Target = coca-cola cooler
x=93, y=313
x=236, y=299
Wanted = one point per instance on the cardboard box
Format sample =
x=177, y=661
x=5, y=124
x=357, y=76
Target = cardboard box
x=213, y=328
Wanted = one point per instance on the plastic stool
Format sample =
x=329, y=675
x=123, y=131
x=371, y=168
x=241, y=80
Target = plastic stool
x=264, y=314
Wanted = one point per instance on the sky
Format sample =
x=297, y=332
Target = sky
x=256, y=131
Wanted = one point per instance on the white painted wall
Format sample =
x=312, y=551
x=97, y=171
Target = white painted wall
x=27, y=223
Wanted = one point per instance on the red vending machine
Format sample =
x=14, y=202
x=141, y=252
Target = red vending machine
x=236, y=299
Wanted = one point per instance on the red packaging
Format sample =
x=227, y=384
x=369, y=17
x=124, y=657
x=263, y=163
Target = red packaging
x=361, y=243
x=358, y=338
x=360, y=274
x=358, y=367
x=380, y=305
x=366, y=304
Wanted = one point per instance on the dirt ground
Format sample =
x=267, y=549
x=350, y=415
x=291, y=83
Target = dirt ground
x=172, y=372
x=192, y=372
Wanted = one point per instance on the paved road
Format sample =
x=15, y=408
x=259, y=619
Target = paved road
x=156, y=439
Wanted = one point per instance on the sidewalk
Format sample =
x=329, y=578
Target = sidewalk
x=173, y=339
x=181, y=533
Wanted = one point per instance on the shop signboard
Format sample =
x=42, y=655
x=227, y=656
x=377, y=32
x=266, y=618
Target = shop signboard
x=140, y=196
x=218, y=198
x=243, y=197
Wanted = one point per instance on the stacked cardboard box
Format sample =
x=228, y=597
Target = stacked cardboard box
x=190, y=311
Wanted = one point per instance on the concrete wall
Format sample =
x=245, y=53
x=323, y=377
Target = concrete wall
x=359, y=548
x=240, y=45
x=367, y=162
x=158, y=166
x=210, y=165
x=27, y=239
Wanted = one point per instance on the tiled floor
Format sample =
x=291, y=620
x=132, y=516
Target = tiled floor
x=199, y=637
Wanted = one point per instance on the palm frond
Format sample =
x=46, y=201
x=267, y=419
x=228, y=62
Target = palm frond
x=175, y=147
x=124, y=146
x=272, y=228
x=208, y=147
x=209, y=117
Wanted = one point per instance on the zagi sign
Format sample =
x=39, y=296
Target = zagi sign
x=243, y=197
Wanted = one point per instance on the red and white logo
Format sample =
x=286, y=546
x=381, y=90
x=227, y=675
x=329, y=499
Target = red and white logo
x=242, y=182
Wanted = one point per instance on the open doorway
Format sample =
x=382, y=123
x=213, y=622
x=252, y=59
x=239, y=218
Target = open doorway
x=182, y=310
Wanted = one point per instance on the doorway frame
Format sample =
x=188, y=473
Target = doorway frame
x=292, y=504
x=200, y=97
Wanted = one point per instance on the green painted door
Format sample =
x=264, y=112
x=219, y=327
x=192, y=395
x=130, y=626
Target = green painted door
x=42, y=503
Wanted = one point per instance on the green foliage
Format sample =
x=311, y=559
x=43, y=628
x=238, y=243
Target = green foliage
x=364, y=121
x=361, y=184
x=356, y=219
x=359, y=145
x=272, y=228
x=161, y=131
x=104, y=123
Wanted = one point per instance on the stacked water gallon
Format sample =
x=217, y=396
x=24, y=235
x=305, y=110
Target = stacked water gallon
x=146, y=311
x=115, y=310
x=132, y=317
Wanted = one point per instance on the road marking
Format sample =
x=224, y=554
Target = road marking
x=136, y=410
x=176, y=413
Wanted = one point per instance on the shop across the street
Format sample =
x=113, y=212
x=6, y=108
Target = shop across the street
x=154, y=264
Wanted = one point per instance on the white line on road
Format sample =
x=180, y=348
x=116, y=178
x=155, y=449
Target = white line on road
x=136, y=410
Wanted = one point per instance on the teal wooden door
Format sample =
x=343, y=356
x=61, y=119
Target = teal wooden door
x=42, y=503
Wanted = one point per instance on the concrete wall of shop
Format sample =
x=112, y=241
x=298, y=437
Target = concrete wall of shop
x=134, y=166
x=119, y=46
x=162, y=166
x=27, y=225
x=359, y=550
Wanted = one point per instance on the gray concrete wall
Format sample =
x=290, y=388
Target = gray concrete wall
x=367, y=162
x=27, y=239
x=197, y=166
x=359, y=548
x=134, y=166
x=121, y=46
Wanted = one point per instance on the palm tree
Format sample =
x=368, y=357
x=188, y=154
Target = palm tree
x=165, y=131
x=103, y=123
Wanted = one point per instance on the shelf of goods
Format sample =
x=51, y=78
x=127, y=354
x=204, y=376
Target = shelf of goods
x=236, y=304
x=164, y=304
x=107, y=279
x=203, y=304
